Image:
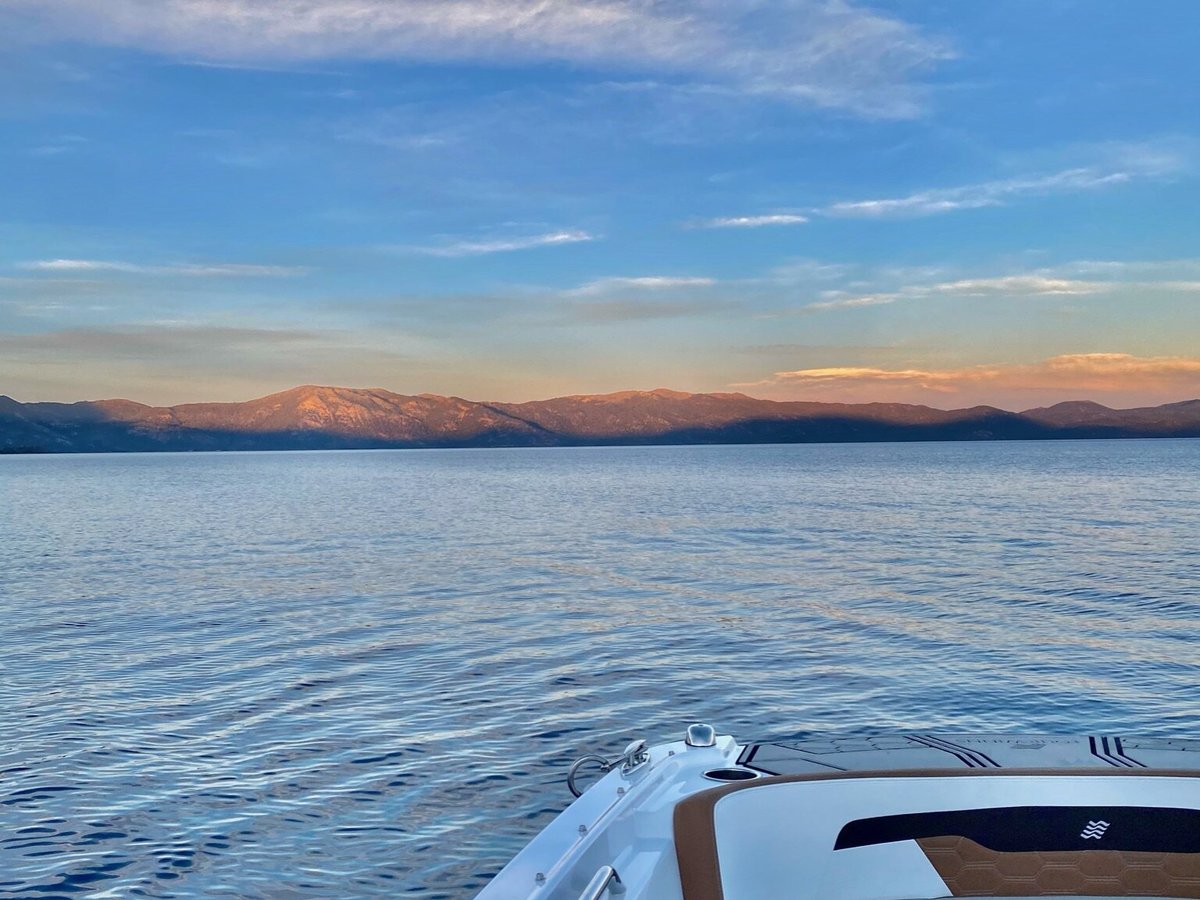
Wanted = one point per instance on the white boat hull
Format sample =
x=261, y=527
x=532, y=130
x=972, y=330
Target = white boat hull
x=911, y=816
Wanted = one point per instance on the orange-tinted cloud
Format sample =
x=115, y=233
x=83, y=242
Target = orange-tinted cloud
x=1111, y=377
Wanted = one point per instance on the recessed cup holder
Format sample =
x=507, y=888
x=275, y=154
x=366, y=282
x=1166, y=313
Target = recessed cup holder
x=730, y=774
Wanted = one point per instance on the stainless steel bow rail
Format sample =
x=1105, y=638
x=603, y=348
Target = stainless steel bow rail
x=635, y=755
x=605, y=879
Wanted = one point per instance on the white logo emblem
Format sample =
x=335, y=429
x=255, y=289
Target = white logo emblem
x=1094, y=830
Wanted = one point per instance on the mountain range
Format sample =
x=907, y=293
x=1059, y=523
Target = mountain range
x=312, y=417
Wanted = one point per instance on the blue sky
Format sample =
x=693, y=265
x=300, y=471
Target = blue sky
x=940, y=202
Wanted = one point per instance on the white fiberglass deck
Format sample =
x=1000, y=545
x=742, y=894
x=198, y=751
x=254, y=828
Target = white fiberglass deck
x=909, y=816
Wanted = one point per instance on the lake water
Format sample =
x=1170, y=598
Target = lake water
x=365, y=673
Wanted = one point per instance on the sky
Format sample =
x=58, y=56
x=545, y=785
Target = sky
x=933, y=202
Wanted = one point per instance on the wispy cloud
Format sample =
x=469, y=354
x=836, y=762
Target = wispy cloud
x=406, y=129
x=831, y=54
x=852, y=302
x=644, y=297
x=180, y=361
x=642, y=282
x=1109, y=165
x=1009, y=285
x=1115, y=379
x=801, y=272
x=1124, y=365
x=755, y=221
x=1132, y=269
x=1049, y=282
x=1027, y=285
x=612, y=311
x=976, y=196
x=503, y=245
x=248, y=67
x=188, y=270
x=57, y=146
x=152, y=341
x=1085, y=372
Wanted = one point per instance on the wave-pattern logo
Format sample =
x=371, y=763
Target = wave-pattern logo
x=1094, y=830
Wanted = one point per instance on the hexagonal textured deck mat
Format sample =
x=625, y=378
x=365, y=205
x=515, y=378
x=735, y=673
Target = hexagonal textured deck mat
x=972, y=870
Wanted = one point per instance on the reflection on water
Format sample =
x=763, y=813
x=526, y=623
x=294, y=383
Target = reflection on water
x=364, y=673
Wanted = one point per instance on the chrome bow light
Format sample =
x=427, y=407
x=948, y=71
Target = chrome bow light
x=700, y=735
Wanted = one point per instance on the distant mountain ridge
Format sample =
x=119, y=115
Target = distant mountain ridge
x=314, y=417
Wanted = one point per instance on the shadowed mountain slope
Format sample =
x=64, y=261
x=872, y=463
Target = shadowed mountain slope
x=1094, y=420
x=312, y=417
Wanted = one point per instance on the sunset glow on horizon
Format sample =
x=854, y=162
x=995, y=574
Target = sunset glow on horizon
x=503, y=200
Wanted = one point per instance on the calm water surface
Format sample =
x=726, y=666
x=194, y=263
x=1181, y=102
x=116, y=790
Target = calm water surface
x=365, y=673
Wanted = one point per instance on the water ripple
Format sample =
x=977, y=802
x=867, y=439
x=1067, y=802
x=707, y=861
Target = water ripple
x=363, y=674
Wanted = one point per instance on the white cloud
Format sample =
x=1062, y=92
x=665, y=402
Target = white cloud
x=1025, y=285
x=1039, y=284
x=503, y=245
x=57, y=146
x=796, y=272
x=916, y=205
x=616, y=311
x=988, y=193
x=193, y=270
x=755, y=221
x=826, y=52
x=1109, y=165
x=854, y=302
x=1132, y=269
x=643, y=282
